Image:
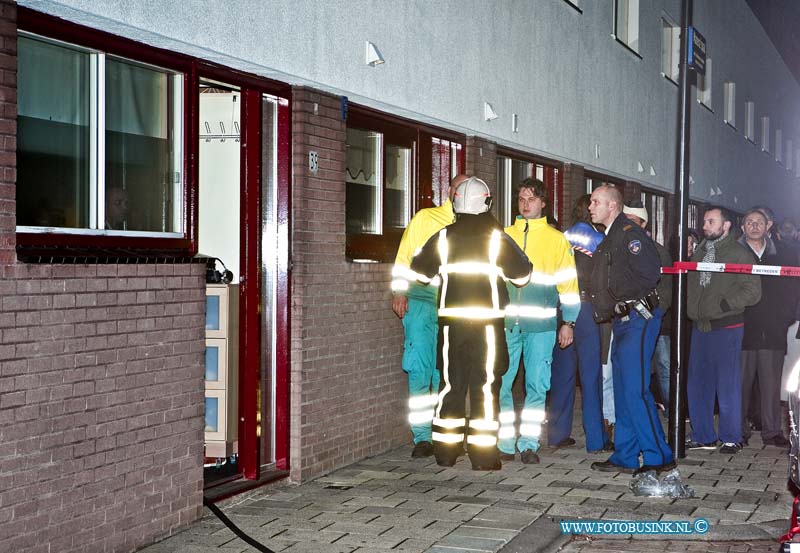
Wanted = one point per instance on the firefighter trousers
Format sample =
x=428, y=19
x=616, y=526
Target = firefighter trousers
x=472, y=357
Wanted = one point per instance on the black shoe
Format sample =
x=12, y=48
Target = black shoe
x=566, y=442
x=608, y=466
x=497, y=465
x=608, y=447
x=666, y=467
x=529, y=457
x=445, y=461
x=422, y=449
x=506, y=456
x=730, y=448
x=755, y=425
x=778, y=441
x=698, y=445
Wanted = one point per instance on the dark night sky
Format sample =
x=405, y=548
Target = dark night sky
x=781, y=20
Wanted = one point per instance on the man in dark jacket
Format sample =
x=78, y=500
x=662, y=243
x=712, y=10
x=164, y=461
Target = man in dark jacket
x=474, y=257
x=716, y=303
x=625, y=272
x=765, y=327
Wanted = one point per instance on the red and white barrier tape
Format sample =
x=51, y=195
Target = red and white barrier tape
x=771, y=270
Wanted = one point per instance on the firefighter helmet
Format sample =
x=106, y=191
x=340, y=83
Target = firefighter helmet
x=472, y=196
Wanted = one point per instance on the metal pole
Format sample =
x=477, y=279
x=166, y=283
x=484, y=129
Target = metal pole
x=678, y=350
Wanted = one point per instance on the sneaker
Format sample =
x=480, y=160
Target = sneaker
x=422, y=449
x=778, y=441
x=529, y=457
x=730, y=448
x=697, y=445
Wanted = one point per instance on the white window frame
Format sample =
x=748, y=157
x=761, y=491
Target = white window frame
x=750, y=121
x=704, y=84
x=779, y=146
x=670, y=49
x=97, y=153
x=729, y=94
x=789, y=150
x=626, y=23
x=765, y=134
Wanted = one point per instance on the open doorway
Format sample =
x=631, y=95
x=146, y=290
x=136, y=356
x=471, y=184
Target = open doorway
x=243, y=174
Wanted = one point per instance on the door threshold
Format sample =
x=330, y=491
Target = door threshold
x=224, y=490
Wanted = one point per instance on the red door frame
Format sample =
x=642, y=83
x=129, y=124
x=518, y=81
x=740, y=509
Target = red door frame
x=250, y=242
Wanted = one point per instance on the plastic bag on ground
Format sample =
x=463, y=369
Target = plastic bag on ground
x=648, y=484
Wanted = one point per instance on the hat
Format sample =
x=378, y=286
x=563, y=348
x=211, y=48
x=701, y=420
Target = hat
x=472, y=196
x=639, y=212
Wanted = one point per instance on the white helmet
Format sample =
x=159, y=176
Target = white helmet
x=472, y=196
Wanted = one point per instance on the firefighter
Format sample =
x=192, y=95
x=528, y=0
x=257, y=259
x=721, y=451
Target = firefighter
x=415, y=305
x=473, y=257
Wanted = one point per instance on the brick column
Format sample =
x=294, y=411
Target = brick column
x=8, y=131
x=574, y=188
x=348, y=390
x=482, y=161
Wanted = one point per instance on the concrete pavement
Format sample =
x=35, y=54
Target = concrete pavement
x=391, y=502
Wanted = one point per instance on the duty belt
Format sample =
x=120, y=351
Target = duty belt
x=643, y=306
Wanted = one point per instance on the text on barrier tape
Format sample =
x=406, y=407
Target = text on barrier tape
x=770, y=270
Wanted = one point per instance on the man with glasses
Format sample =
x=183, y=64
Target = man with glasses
x=765, y=326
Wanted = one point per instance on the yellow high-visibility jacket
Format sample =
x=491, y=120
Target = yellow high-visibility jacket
x=422, y=226
x=534, y=307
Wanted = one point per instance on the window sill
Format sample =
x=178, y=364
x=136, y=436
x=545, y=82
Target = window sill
x=627, y=47
x=373, y=248
x=728, y=123
x=670, y=79
x=84, y=248
x=573, y=6
x=703, y=104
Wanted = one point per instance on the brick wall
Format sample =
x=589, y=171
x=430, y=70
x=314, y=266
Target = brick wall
x=482, y=161
x=348, y=391
x=8, y=129
x=101, y=405
x=101, y=392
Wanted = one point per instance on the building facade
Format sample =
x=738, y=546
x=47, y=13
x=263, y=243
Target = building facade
x=293, y=141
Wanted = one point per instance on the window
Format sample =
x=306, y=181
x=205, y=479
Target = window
x=789, y=151
x=100, y=143
x=656, y=205
x=670, y=49
x=626, y=23
x=765, y=134
x=797, y=164
x=729, y=91
x=447, y=157
x=704, y=86
x=779, y=146
x=574, y=4
x=513, y=168
x=393, y=167
x=750, y=121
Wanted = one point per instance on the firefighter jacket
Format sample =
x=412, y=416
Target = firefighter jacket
x=422, y=226
x=534, y=307
x=625, y=267
x=474, y=257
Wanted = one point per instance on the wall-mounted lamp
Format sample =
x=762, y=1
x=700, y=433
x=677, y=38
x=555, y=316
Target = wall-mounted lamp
x=373, y=56
x=514, y=122
x=488, y=112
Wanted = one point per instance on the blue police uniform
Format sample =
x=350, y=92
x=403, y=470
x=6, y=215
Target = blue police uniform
x=625, y=271
x=583, y=356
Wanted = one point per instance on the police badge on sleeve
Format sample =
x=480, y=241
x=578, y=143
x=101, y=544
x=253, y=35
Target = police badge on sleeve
x=635, y=246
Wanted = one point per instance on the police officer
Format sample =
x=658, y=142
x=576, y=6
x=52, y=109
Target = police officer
x=625, y=271
x=473, y=256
